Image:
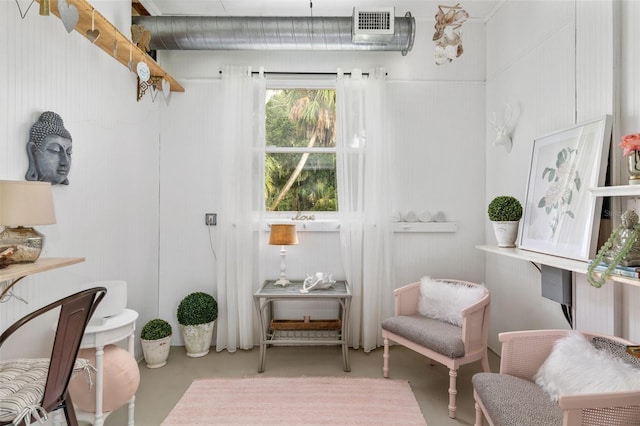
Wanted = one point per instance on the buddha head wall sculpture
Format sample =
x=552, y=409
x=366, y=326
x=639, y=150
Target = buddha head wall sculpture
x=49, y=150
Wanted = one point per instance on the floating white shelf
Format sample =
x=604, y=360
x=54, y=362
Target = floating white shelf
x=577, y=266
x=425, y=227
x=616, y=191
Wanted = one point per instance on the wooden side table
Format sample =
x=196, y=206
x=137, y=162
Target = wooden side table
x=279, y=334
x=113, y=330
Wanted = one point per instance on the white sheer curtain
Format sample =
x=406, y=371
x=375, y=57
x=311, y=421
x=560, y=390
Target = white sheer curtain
x=364, y=202
x=241, y=201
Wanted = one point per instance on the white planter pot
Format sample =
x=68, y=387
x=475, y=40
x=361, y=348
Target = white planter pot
x=197, y=338
x=156, y=352
x=506, y=233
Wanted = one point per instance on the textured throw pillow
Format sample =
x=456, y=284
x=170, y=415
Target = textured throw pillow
x=575, y=366
x=615, y=349
x=443, y=300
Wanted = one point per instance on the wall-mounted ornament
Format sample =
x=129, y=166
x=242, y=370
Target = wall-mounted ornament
x=143, y=72
x=130, y=63
x=152, y=82
x=27, y=5
x=68, y=15
x=141, y=37
x=49, y=150
x=166, y=89
x=93, y=34
x=448, y=35
x=504, y=126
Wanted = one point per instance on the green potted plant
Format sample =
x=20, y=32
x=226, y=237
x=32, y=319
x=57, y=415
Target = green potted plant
x=197, y=313
x=505, y=213
x=155, y=338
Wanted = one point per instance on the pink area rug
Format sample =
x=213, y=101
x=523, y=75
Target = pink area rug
x=297, y=401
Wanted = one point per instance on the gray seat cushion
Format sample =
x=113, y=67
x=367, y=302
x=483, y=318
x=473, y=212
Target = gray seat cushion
x=510, y=400
x=439, y=336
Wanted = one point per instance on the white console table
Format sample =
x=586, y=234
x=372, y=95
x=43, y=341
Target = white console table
x=114, y=329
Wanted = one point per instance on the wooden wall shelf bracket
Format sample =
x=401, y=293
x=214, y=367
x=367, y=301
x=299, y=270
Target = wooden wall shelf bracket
x=110, y=37
x=153, y=82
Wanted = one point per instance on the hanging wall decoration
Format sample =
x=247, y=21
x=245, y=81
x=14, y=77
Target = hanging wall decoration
x=448, y=35
x=49, y=150
x=93, y=35
x=68, y=15
x=27, y=6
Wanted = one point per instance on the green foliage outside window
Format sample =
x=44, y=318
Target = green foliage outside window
x=301, y=181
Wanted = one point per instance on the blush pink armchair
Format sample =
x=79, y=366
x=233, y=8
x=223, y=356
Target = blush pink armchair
x=439, y=341
x=511, y=397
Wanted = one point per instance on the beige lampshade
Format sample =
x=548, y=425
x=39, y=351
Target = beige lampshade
x=26, y=203
x=283, y=235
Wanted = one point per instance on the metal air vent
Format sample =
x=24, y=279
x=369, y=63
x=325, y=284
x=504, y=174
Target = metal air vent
x=373, y=25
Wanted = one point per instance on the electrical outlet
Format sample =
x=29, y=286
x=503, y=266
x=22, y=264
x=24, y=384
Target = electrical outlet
x=210, y=219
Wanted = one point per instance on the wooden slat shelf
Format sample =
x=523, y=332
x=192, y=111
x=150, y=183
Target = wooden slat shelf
x=302, y=325
x=12, y=272
x=108, y=34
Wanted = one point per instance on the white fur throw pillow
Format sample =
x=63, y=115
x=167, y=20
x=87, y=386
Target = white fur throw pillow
x=444, y=300
x=575, y=366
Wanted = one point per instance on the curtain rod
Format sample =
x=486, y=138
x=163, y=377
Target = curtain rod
x=365, y=74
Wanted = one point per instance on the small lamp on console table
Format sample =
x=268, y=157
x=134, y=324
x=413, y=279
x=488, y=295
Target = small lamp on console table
x=283, y=235
x=23, y=204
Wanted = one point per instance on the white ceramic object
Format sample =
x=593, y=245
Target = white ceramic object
x=156, y=352
x=197, y=338
x=506, y=233
x=114, y=302
x=318, y=282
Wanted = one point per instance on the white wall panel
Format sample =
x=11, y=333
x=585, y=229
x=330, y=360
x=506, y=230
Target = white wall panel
x=438, y=151
x=594, y=59
x=109, y=212
x=531, y=63
x=518, y=27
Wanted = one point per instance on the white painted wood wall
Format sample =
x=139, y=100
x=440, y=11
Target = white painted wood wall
x=109, y=213
x=558, y=60
x=144, y=173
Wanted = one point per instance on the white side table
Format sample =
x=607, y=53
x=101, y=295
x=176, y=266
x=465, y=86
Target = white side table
x=114, y=329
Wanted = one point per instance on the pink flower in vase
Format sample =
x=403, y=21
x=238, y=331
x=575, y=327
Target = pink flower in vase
x=630, y=143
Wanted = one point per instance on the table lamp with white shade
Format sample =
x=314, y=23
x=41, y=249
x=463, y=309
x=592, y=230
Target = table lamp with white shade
x=283, y=235
x=23, y=204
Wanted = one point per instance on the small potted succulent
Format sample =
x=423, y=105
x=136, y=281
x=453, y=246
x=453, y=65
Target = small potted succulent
x=197, y=313
x=505, y=213
x=155, y=338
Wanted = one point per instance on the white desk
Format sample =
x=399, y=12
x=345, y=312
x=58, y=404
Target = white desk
x=114, y=329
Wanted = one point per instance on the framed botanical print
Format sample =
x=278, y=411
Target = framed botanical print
x=561, y=216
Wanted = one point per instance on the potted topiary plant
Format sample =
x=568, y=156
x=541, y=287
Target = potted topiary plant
x=505, y=213
x=197, y=313
x=155, y=338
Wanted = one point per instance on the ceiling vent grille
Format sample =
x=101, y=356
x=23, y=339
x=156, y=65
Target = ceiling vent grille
x=373, y=25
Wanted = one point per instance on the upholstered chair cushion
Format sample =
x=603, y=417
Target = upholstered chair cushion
x=22, y=383
x=439, y=336
x=516, y=401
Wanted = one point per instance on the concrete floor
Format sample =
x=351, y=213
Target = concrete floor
x=160, y=389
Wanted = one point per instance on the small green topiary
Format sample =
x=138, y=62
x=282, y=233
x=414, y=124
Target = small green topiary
x=197, y=308
x=504, y=208
x=155, y=329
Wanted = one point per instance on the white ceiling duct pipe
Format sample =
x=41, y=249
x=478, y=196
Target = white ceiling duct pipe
x=269, y=33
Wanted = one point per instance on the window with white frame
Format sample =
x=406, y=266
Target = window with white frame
x=300, y=152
